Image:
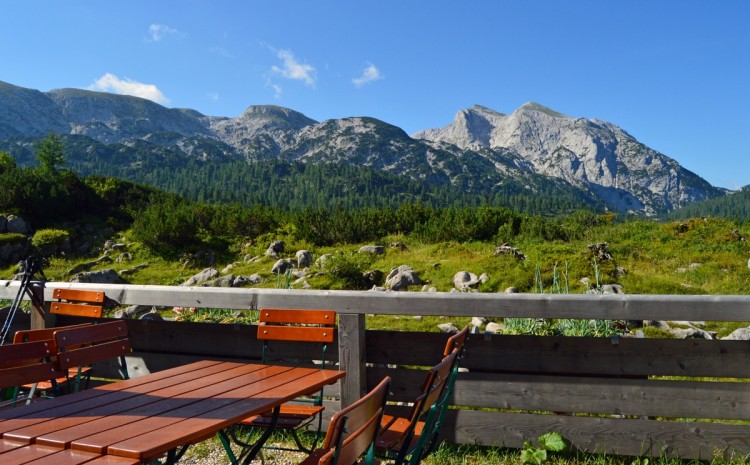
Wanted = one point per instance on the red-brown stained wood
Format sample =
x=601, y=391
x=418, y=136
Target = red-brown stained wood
x=65, y=308
x=295, y=333
x=78, y=295
x=278, y=315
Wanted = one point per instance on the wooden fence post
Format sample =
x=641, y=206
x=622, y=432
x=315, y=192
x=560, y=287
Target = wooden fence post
x=352, y=357
x=40, y=316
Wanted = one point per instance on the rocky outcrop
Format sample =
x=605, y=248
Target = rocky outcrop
x=399, y=279
x=589, y=153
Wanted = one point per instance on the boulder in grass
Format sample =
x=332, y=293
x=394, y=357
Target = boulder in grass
x=741, y=334
x=304, y=258
x=448, y=328
x=276, y=248
x=373, y=249
x=401, y=278
x=108, y=276
x=281, y=266
x=205, y=275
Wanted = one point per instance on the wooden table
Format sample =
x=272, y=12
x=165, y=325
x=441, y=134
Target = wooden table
x=163, y=412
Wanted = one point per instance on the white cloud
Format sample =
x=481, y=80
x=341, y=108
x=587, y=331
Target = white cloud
x=369, y=74
x=221, y=52
x=113, y=84
x=159, y=31
x=292, y=69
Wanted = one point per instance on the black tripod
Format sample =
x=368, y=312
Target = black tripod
x=29, y=267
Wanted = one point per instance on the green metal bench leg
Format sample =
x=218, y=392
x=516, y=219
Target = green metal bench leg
x=250, y=451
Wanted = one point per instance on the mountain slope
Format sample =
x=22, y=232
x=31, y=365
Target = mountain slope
x=586, y=153
x=483, y=153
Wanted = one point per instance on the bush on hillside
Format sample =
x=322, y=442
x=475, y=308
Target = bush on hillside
x=50, y=241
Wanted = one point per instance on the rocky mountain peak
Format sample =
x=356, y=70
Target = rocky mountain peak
x=273, y=116
x=530, y=107
x=586, y=153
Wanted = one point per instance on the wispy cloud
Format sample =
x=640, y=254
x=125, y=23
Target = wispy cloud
x=277, y=89
x=222, y=52
x=369, y=74
x=293, y=69
x=157, y=32
x=113, y=84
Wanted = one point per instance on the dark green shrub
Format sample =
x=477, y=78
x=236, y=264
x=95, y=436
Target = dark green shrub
x=347, y=272
x=167, y=226
x=51, y=241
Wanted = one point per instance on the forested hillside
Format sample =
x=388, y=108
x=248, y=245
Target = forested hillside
x=297, y=185
x=736, y=206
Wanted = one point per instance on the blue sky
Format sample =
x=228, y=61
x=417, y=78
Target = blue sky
x=674, y=74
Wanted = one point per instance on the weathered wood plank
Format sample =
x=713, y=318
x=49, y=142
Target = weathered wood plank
x=351, y=340
x=616, y=396
x=703, y=441
x=591, y=356
x=586, y=306
x=405, y=348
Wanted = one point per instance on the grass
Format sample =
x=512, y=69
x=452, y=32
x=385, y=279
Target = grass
x=451, y=454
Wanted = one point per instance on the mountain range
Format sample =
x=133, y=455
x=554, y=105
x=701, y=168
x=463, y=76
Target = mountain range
x=532, y=150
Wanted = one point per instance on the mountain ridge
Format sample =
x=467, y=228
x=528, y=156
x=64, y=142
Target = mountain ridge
x=481, y=151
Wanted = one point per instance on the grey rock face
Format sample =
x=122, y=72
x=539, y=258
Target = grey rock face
x=401, y=278
x=16, y=224
x=373, y=249
x=585, y=152
x=304, y=258
x=275, y=248
x=463, y=280
x=281, y=266
x=205, y=275
x=741, y=334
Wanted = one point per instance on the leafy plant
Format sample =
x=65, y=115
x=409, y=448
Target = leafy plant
x=284, y=281
x=348, y=270
x=536, y=455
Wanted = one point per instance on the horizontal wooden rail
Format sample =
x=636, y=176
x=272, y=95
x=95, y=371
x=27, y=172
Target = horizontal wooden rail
x=576, y=306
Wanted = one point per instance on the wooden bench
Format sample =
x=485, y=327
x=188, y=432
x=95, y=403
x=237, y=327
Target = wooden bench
x=27, y=363
x=352, y=430
x=279, y=326
x=409, y=439
x=48, y=335
x=87, y=344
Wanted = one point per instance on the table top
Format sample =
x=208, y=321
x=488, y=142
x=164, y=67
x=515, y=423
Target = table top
x=186, y=404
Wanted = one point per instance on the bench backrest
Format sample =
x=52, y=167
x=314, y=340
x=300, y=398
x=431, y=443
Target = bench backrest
x=27, y=363
x=456, y=341
x=42, y=334
x=89, y=344
x=353, y=429
x=436, y=380
x=315, y=326
x=77, y=302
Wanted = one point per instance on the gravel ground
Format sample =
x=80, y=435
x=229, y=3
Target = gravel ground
x=212, y=453
x=219, y=457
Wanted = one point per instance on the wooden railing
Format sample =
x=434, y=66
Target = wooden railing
x=620, y=395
